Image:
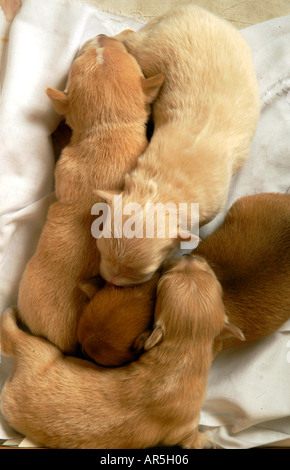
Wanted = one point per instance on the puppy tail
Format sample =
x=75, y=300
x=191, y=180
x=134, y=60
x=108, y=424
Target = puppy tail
x=10, y=333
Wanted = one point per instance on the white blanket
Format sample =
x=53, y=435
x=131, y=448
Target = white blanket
x=248, y=402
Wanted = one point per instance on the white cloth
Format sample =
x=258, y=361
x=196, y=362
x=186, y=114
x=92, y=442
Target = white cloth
x=248, y=401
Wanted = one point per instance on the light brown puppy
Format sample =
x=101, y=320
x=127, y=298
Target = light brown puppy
x=250, y=255
x=156, y=400
x=205, y=118
x=106, y=105
x=112, y=323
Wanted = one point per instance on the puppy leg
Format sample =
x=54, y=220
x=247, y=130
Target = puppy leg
x=21, y=345
x=139, y=342
x=123, y=34
x=32, y=357
x=13, y=341
x=9, y=332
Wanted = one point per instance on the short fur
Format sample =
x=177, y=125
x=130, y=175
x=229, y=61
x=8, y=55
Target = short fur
x=205, y=118
x=250, y=255
x=106, y=105
x=71, y=403
x=115, y=320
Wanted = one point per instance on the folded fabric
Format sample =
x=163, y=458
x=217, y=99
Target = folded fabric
x=248, y=395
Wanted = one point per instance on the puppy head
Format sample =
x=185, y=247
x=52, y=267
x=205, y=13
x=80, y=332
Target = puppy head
x=105, y=86
x=189, y=302
x=134, y=248
x=113, y=319
x=128, y=262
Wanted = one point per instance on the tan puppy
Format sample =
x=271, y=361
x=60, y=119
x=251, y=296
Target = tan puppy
x=250, y=254
x=205, y=118
x=70, y=403
x=106, y=106
x=111, y=325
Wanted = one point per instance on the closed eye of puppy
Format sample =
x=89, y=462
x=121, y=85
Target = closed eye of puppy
x=106, y=105
x=205, y=118
x=110, y=327
x=153, y=401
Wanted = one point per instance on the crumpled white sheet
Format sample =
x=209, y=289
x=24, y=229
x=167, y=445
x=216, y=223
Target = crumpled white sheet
x=248, y=401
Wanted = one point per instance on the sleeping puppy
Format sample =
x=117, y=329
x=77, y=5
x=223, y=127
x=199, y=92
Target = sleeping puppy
x=111, y=325
x=106, y=105
x=156, y=400
x=205, y=118
x=250, y=255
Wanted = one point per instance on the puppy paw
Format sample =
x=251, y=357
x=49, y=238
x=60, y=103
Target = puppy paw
x=198, y=440
x=205, y=442
x=139, y=342
x=8, y=319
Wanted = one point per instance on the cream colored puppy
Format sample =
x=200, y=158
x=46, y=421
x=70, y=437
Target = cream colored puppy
x=205, y=119
x=65, y=402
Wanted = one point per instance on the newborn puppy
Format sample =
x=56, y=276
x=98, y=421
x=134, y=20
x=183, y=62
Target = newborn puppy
x=205, y=118
x=106, y=106
x=156, y=400
x=111, y=325
x=250, y=255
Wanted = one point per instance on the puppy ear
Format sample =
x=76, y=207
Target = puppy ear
x=230, y=331
x=151, y=86
x=59, y=100
x=155, y=338
x=107, y=196
x=122, y=35
x=91, y=286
